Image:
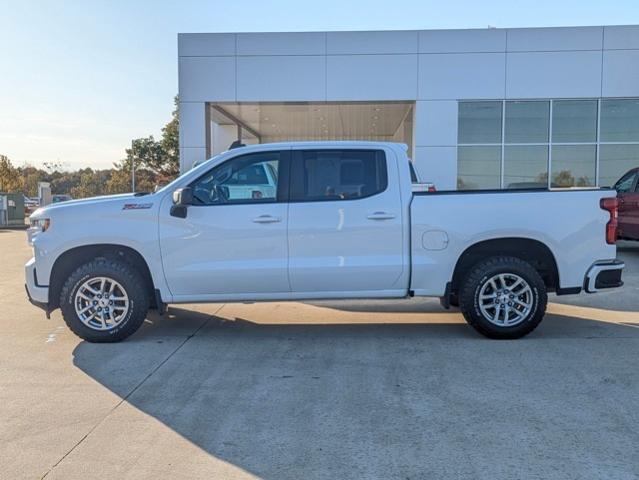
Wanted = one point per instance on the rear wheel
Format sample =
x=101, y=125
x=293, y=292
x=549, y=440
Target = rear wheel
x=104, y=301
x=503, y=297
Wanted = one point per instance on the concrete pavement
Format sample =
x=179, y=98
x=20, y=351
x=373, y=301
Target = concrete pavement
x=322, y=390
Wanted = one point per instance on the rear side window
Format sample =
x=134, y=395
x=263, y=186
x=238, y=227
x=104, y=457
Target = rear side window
x=327, y=175
x=413, y=174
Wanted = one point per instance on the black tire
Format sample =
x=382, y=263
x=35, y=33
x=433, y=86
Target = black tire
x=128, y=278
x=453, y=300
x=481, y=274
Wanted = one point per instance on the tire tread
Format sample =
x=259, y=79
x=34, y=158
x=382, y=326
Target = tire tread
x=133, y=283
x=493, y=265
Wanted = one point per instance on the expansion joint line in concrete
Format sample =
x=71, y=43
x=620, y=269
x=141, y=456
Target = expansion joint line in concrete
x=128, y=395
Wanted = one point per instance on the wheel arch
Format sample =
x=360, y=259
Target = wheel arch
x=71, y=259
x=535, y=252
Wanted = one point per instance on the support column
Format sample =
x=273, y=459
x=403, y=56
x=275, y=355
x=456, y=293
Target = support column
x=195, y=141
x=435, y=139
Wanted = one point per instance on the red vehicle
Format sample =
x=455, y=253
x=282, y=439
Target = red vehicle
x=628, y=193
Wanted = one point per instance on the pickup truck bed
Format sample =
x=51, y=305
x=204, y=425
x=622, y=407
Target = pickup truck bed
x=558, y=224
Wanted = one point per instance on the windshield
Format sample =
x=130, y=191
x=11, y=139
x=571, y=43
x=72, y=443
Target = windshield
x=197, y=167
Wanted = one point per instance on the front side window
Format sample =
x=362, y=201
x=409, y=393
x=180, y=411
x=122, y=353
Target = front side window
x=337, y=174
x=250, y=178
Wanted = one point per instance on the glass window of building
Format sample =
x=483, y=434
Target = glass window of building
x=559, y=143
x=525, y=166
x=527, y=122
x=615, y=160
x=479, y=122
x=573, y=166
x=478, y=167
x=574, y=121
x=620, y=120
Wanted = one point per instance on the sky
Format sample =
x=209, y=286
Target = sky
x=80, y=79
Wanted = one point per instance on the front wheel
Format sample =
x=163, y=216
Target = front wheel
x=503, y=298
x=104, y=300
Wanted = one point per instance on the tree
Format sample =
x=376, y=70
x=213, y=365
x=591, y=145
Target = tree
x=30, y=178
x=91, y=183
x=160, y=156
x=563, y=179
x=171, y=144
x=120, y=179
x=9, y=176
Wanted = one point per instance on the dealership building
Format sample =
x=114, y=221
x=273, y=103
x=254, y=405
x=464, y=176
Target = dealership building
x=486, y=108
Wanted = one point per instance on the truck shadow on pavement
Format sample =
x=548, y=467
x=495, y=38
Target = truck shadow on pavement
x=374, y=400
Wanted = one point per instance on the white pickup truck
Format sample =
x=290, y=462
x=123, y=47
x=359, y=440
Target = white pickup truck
x=323, y=220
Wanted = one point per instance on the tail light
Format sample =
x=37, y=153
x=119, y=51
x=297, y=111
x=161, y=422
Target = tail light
x=431, y=188
x=611, y=205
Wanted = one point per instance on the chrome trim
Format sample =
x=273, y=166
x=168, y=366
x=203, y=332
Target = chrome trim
x=596, y=269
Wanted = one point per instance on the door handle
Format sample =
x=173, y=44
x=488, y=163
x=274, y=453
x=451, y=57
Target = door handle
x=380, y=216
x=267, y=219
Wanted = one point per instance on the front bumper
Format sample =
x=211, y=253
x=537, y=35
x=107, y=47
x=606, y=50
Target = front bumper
x=604, y=275
x=38, y=294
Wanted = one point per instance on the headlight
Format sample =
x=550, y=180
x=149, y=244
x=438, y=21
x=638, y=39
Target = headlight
x=40, y=224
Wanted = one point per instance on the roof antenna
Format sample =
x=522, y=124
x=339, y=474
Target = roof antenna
x=236, y=144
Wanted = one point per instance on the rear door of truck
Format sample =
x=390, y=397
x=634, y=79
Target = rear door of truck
x=345, y=231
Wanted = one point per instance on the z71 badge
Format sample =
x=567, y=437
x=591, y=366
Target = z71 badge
x=136, y=206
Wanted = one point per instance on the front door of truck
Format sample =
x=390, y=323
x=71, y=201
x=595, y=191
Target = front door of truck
x=345, y=223
x=628, y=196
x=233, y=239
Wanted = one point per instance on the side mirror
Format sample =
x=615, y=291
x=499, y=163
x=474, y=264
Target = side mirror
x=182, y=198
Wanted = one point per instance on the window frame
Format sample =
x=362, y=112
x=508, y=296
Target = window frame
x=297, y=174
x=283, y=176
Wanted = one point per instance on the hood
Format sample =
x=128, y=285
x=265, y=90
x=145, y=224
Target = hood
x=84, y=202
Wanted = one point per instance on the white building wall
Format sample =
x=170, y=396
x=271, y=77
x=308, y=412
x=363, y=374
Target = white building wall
x=433, y=68
x=222, y=136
